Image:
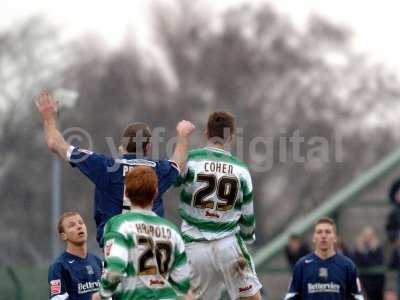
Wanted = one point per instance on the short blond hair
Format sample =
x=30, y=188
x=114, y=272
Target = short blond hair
x=60, y=227
x=326, y=220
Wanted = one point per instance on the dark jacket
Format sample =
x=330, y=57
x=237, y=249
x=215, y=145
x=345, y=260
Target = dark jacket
x=369, y=261
x=395, y=260
x=393, y=219
x=293, y=257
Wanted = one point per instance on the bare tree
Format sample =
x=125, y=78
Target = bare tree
x=30, y=58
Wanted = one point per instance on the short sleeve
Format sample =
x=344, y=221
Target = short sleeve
x=294, y=292
x=247, y=220
x=116, y=249
x=180, y=271
x=56, y=281
x=168, y=172
x=93, y=165
x=354, y=284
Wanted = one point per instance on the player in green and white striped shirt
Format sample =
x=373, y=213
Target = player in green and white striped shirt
x=216, y=205
x=144, y=254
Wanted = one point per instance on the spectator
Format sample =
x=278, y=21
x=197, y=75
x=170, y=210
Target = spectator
x=295, y=249
x=341, y=248
x=395, y=264
x=393, y=220
x=369, y=259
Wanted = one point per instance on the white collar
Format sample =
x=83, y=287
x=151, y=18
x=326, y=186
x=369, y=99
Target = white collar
x=218, y=149
x=143, y=211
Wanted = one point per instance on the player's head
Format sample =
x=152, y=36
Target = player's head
x=141, y=186
x=220, y=127
x=136, y=138
x=72, y=228
x=324, y=236
x=294, y=243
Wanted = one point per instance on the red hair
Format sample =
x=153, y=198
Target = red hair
x=141, y=186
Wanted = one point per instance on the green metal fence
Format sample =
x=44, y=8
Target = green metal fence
x=329, y=206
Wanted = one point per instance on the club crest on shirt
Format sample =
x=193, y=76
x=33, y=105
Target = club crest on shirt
x=89, y=270
x=323, y=272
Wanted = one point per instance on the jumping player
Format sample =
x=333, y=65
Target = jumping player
x=216, y=205
x=108, y=173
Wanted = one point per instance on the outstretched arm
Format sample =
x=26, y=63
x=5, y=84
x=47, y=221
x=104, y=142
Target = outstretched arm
x=184, y=129
x=47, y=108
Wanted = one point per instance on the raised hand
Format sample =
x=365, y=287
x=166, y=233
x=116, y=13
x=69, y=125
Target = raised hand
x=185, y=128
x=46, y=106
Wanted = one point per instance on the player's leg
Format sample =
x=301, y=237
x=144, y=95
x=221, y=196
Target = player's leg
x=237, y=268
x=206, y=281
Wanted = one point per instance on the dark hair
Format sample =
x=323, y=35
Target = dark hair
x=326, y=220
x=220, y=126
x=60, y=227
x=141, y=186
x=394, y=188
x=295, y=236
x=135, y=136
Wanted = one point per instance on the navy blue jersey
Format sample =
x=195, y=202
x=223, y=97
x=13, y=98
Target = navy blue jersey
x=74, y=278
x=334, y=278
x=108, y=176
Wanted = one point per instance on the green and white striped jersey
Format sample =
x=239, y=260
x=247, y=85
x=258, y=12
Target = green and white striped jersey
x=216, y=199
x=144, y=258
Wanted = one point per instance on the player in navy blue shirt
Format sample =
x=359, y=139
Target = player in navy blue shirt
x=324, y=274
x=108, y=173
x=75, y=275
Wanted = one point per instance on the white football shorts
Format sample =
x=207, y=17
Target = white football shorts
x=222, y=263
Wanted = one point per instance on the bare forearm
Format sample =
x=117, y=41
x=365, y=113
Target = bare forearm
x=180, y=153
x=54, y=139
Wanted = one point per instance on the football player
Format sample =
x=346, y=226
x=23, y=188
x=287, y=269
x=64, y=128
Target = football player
x=108, y=173
x=144, y=254
x=75, y=275
x=324, y=274
x=216, y=205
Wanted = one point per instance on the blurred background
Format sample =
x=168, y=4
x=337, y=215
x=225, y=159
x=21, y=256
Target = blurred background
x=326, y=72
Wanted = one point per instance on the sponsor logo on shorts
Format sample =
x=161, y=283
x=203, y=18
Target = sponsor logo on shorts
x=55, y=287
x=212, y=214
x=246, y=288
x=156, y=282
